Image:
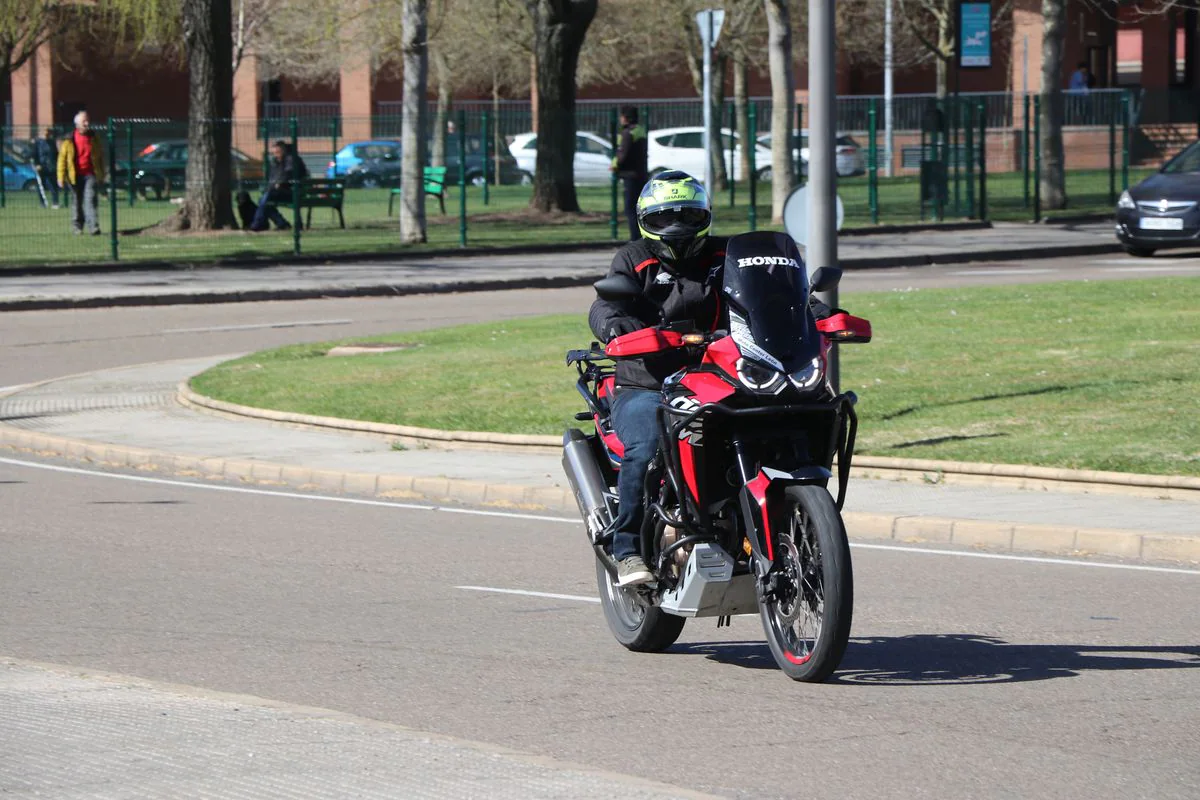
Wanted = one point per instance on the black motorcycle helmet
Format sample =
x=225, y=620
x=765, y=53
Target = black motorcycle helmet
x=674, y=215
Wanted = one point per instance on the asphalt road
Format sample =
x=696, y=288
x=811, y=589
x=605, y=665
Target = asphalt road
x=966, y=676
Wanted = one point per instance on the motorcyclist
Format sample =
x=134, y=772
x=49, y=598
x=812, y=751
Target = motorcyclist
x=679, y=267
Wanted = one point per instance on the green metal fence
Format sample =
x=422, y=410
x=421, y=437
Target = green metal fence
x=970, y=157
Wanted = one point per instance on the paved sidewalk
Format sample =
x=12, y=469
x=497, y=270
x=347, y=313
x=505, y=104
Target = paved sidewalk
x=130, y=417
x=477, y=272
x=69, y=733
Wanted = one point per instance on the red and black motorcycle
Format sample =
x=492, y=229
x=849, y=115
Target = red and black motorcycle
x=739, y=514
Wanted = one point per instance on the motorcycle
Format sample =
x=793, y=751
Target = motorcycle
x=739, y=517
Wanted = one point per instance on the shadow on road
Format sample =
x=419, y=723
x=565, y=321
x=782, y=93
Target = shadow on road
x=943, y=659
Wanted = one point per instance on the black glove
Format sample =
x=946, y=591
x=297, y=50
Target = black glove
x=619, y=326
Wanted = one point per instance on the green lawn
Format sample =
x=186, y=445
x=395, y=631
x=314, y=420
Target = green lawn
x=1080, y=375
x=30, y=234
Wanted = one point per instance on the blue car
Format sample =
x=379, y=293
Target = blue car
x=18, y=174
x=353, y=155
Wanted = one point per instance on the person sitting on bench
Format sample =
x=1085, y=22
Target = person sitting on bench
x=286, y=168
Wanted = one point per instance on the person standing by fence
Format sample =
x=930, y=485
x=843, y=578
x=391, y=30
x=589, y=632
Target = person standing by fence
x=630, y=164
x=81, y=169
x=45, y=161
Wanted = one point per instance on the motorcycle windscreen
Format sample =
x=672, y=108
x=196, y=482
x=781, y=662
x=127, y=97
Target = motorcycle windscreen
x=767, y=285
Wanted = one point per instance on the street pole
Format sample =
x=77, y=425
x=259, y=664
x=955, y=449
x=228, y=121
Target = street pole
x=822, y=136
x=888, y=92
x=707, y=43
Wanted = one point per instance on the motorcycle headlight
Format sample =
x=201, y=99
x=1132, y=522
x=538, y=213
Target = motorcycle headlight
x=1126, y=201
x=759, y=378
x=810, y=376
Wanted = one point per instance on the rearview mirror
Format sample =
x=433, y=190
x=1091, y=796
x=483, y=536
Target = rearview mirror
x=826, y=279
x=617, y=287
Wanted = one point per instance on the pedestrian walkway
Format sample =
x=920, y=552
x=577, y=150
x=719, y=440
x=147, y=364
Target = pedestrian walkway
x=69, y=733
x=415, y=274
x=130, y=417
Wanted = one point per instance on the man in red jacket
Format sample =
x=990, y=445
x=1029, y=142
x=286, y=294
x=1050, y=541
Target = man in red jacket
x=81, y=171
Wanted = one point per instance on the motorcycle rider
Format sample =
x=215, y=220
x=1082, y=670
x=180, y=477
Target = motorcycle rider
x=679, y=267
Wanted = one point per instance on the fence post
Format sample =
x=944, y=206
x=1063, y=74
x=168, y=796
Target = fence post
x=613, y=179
x=129, y=147
x=752, y=218
x=485, y=121
x=920, y=161
x=333, y=140
x=112, y=190
x=295, y=132
x=983, y=123
x=1125, y=141
x=872, y=164
x=954, y=142
x=1112, y=156
x=462, y=178
x=4, y=141
x=1037, y=158
x=968, y=127
x=732, y=155
x=799, y=163
x=941, y=181
x=1025, y=150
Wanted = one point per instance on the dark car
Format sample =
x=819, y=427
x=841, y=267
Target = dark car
x=379, y=163
x=161, y=168
x=1163, y=210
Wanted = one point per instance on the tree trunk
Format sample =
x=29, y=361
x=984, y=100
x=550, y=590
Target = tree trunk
x=945, y=41
x=414, y=125
x=441, y=72
x=208, y=37
x=559, y=27
x=1054, y=29
x=779, y=54
x=741, y=109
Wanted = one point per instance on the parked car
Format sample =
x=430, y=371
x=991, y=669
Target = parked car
x=683, y=148
x=593, y=156
x=161, y=167
x=377, y=163
x=18, y=174
x=1164, y=209
x=850, y=158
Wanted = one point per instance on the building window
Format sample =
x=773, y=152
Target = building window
x=1129, y=56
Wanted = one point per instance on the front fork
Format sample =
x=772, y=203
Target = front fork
x=754, y=497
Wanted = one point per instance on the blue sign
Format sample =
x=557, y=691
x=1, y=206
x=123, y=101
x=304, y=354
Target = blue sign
x=974, y=34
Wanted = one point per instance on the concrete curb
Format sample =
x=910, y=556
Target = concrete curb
x=995, y=536
x=446, y=287
x=1173, y=487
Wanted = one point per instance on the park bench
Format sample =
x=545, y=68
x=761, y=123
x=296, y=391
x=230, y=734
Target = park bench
x=435, y=184
x=322, y=193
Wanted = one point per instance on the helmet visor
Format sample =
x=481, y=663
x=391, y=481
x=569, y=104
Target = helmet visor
x=676, y=221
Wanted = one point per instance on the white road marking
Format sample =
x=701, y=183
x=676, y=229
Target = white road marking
x=14, y=387
x=542, y=518
x=1014, y=271
x=358, y=501
x=577, y=597
x=1125, y=262
x=259, y=326
x=1163, y=268
x=1066, y=562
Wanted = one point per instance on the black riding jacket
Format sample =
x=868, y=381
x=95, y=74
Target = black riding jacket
x=689, y=290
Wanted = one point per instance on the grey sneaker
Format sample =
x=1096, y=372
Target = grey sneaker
x=632, y=571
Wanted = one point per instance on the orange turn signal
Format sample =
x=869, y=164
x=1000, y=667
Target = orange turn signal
x=693, y=338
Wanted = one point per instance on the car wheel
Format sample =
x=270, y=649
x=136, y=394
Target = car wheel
x=369, y=182
x=151, y=189
x=764, y=175
x=526, y=179
x=1140, y=252
x=475, y=178
x=30, y=186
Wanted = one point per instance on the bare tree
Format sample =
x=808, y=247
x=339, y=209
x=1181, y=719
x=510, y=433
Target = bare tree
x=782, y=97
x=934, y=25
x=559, y=30
x=414, y=128
x=205, y=27
x=25, y=25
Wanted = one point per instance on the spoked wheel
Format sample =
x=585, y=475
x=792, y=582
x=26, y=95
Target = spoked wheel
x=807, y=618
x=640, y=627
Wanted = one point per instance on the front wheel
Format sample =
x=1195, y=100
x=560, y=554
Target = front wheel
x=807, y=616
x=641, y=628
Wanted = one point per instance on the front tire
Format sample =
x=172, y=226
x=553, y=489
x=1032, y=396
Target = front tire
x=807, y=619
x=641, y=628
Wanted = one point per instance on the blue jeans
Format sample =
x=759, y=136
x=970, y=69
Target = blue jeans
x=635, y=421
x=267, y=210
x=84, y=209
